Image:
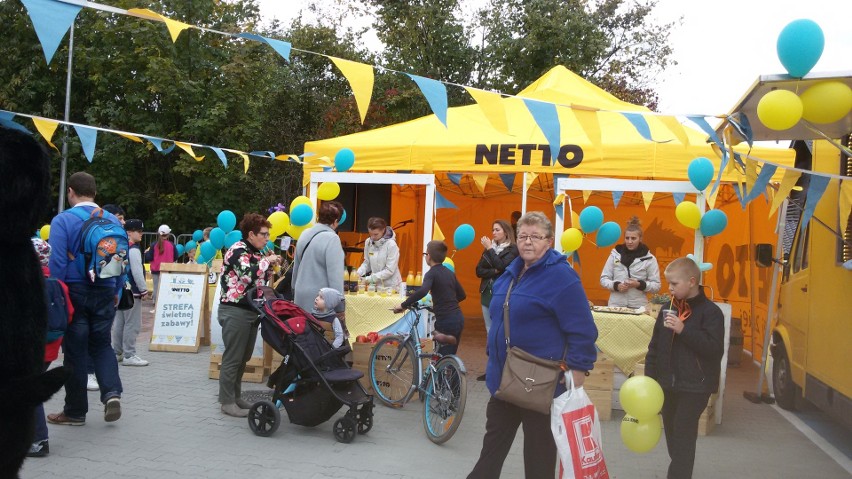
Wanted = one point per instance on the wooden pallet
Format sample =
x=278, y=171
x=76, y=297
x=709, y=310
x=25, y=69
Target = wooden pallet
x=255, y=369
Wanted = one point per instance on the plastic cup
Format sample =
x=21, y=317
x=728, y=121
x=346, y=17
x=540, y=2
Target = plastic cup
x=667, y=312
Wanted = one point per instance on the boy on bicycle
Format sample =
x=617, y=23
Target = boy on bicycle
x=446, y=295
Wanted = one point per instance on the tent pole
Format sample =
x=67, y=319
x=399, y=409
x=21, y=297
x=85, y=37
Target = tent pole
x=524, y=196
x=429, y=215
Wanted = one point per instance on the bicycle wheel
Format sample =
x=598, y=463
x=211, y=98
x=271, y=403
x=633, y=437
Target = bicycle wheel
x=446, y=395
x=392, y=370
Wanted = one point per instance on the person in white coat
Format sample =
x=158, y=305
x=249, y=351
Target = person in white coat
x=631, y=271
x=381, y=255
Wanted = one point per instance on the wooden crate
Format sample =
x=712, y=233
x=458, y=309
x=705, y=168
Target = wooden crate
x=255, y=369
x=707, y=421
x=603, y=402
x=600, y=378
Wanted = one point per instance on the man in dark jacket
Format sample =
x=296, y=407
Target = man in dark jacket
x=685, y=358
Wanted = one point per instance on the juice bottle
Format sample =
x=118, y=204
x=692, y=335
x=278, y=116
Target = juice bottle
x=409, y=283
x=345, y=280
x=354, y=280
x=418, y=281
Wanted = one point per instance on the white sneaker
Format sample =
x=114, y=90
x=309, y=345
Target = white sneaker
x=134, y=361
x=92, y=383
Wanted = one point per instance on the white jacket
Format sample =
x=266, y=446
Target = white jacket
x=643, y=268
x=381, y=260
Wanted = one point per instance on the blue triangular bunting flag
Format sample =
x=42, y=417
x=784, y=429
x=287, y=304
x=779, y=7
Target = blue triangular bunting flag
x=638, y=121
x=508, y=179
x=547, y=119
x=616, y=198
x=281, y=47
x=88, y=139
x=738, y=189
x=6, y=121
x=51, y=21
x=263, y=153
x=158, y=144
x=816, y=188
x=436, y=95
x=221, y=155
x=762, y=180
x=441, y=202
x=678, y=198
x=702, y=123
x=455, y=178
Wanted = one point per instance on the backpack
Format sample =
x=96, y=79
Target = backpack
x=103, y=243
x=57, y=309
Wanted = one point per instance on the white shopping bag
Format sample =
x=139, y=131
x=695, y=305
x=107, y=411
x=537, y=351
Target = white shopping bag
x=577, y=432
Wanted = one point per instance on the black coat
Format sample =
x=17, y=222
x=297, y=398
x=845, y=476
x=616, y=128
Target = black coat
x=491, y=265
x=689, y=361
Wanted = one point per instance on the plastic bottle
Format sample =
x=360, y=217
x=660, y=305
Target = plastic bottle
x=409, y=283
x=418, y=281
x=345, y=281
x=354, y=280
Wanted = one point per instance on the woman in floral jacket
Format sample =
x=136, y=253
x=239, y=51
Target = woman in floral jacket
x=243, y=268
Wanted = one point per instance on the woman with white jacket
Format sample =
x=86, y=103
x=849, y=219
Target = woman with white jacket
x=631, y=271
x=381, y=255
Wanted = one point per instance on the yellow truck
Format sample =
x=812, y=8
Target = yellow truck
x=812, y=331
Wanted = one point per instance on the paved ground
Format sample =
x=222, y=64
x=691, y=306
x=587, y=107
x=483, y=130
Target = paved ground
x=172, y=428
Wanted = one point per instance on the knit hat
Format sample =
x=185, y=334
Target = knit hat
x=331, y=296
x=42, y=248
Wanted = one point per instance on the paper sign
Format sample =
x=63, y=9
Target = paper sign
x=178, y=313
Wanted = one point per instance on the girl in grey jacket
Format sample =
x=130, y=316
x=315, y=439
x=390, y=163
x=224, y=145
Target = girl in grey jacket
x=631, y=271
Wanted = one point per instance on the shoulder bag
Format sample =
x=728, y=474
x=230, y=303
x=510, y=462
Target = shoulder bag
x=528, y=381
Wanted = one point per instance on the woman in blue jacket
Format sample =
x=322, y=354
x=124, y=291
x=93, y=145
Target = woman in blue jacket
x=548, y=311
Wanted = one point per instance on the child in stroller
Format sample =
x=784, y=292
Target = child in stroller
x=324, y=310
x=313, y=381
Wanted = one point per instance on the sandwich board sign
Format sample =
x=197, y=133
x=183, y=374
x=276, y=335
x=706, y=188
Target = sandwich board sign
x=179, y=312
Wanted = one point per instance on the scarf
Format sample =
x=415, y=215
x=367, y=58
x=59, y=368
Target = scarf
x=498, y=248
x=628, y=256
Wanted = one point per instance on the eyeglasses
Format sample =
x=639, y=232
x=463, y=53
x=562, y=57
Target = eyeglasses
x=533, y=238
x=265, y=234
x=425, y=254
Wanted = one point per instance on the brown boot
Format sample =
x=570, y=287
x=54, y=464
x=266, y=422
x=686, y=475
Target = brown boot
x=234, y=410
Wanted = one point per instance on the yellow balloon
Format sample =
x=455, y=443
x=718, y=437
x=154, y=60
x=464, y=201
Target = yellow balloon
x=300, y=200
x=780, y=109
x=449, y=261
x=44, y=232
x=280, y=222
x=328, y=191
x=641, y=435
x=571, y=240
x=688, y=214
x=641, y=396
x=296, y=231
x=826, y=102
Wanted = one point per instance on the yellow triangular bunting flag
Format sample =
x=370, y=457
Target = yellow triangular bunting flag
x=361, y=78
x=586, y=195
x=751, y=175
x=188, y=148
x=492, y=106
x=560, y=198
x=530, y=177
x=175, y=27
x=588, y=119
x=145, y=13
x=647, y=198
x=131, y=137
x=676, y=128
x=480, y=180
x=787, y=183
x=246, y=161
x=46, y=128
x=437, y=234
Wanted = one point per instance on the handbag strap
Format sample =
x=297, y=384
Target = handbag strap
x=506, y=321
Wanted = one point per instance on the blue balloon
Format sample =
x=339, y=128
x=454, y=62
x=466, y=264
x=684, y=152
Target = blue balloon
x=450, y=267
x=270, y=246
x=713, y=222
x=226, y=220
x=591, y=218
x=198, y=236
x=799, y=46
x=343, y=160
x=609, y=234
x=342, y=218
x=232, y=238
x=201, y=259
x=191, y=244
x=301, y=215
x=207, y=250
x=179, y=248
x=700, y=173
x=217, y=237
x=463, y=237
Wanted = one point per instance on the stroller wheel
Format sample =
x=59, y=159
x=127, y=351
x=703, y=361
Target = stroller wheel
x=264, y=418
x=365, y=422
x=344, y=429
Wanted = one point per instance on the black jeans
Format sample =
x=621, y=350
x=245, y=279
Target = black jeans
x=501, y=425
x=681, y=411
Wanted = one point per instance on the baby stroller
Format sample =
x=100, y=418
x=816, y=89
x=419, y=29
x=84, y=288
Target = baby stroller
x=313, y=382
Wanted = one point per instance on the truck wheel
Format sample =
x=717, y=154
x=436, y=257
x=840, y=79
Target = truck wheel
x=782, y=379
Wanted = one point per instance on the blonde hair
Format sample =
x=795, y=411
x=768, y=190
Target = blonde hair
x=536, y=218
x=634, y=224
x=685, y=268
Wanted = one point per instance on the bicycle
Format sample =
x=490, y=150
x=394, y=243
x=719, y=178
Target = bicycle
x=395, y=367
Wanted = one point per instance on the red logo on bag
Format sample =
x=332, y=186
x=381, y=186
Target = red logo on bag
x=588, y=457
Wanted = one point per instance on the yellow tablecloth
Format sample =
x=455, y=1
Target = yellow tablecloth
x=624, y=337
x=366, y=313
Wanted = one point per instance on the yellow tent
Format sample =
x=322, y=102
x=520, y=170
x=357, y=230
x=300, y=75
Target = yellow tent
x=596, y=139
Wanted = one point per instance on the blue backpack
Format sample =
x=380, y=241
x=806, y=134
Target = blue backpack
x=57, y=309
x=103, y=243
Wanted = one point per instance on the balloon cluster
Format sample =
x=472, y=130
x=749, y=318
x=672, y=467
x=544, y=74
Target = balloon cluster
x=591, y=219
x=642, y=399
x=713, y=222
x=800, y=46
x=222, y=236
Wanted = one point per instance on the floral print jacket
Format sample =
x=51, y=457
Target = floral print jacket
x=243, y=268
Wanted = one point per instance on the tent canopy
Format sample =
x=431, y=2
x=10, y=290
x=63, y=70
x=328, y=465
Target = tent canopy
x=595, y=136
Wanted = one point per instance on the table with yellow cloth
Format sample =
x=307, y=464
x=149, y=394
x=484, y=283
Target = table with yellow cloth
x=624, y=337
x=365, y=313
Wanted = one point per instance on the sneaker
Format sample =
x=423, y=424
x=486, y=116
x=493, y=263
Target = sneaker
x=234, y=410
x=61, y=419
x=92, y=383
x=39, y=449
x=119, y=357
x=243, y=404
x=112, y=409
x=134, y=361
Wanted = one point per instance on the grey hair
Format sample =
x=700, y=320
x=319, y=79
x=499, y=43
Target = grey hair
x=537, y=218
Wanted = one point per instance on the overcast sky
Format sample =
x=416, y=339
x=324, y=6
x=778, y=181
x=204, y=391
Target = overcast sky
x=721, y=47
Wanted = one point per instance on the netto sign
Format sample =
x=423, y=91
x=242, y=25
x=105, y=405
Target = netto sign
x=527, y=154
